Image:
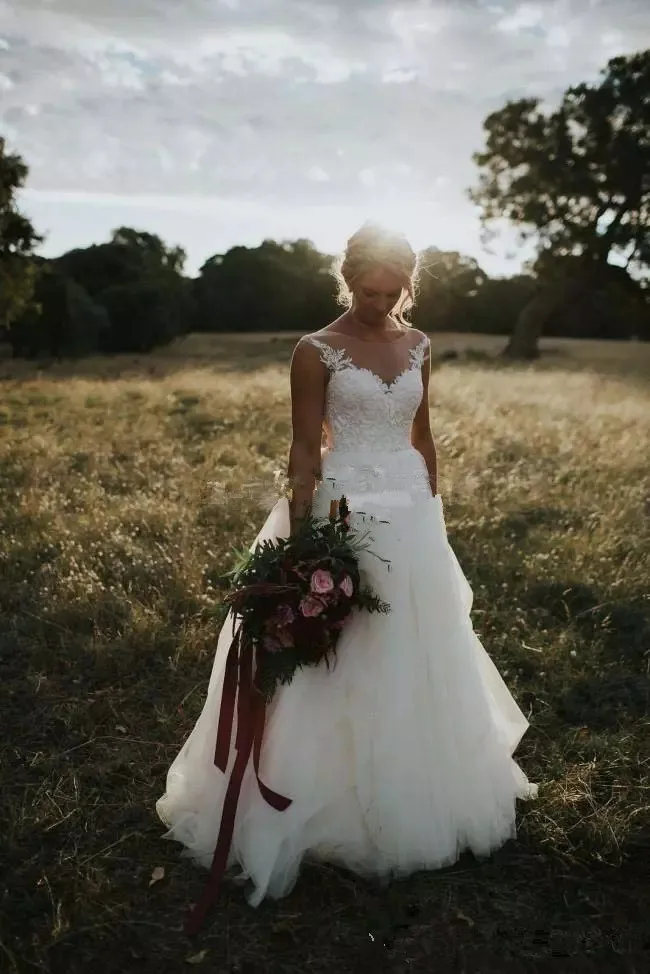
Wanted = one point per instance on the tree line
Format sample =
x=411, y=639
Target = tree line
x=575, y=180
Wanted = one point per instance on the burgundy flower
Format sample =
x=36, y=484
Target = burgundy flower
x=271, y=644
x=285, y=615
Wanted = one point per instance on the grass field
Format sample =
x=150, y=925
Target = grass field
x=112, y=547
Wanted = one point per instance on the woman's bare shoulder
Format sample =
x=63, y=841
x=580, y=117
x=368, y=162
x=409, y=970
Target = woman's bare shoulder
x=334, y=331
x=418, y=336
x=329, y=334
x=312, y=348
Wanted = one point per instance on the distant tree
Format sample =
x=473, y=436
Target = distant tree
x=499, y=302
x=274, y=287
x=154, y=252
x=61, y=321
x=17, y=241
x=142, y=317
x=577, y=179
x=127, y=257
x=138, y=279
x=449, y=283
x=615, y=306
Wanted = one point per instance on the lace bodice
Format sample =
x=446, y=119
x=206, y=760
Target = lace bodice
x=368, y=420
x=362, y=410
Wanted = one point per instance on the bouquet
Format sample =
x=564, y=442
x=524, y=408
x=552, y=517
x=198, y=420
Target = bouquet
x=291, y=598
x=294, y=596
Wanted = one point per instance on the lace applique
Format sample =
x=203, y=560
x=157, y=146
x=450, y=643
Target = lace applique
x=337, y=359
x=334, y=358
x=418, y=354
x=368, y=423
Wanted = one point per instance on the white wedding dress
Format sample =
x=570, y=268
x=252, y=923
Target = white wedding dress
x=400, y=757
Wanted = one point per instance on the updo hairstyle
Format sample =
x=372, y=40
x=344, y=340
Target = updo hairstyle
x=372, y=246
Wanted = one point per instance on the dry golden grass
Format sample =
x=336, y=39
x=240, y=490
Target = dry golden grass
x=112, y=547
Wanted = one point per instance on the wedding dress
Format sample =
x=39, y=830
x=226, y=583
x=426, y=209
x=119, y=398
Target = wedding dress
x=400, y=757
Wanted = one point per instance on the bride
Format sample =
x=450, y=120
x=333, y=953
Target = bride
x=400, y=757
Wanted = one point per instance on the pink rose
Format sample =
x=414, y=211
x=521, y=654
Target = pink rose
x=311, y=606
x=284, y=615
x=321, y=582
x=347, y=586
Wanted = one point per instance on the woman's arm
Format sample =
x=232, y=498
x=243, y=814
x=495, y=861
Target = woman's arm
x=421, y=435
x=308, y=384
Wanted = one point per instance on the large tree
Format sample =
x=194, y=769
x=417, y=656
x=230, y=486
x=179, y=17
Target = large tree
x=128, y=257
x=17, y=241
x=138, y=279
x=62, y=321
x=283, y=286
x=449, y=283
x=577, y=180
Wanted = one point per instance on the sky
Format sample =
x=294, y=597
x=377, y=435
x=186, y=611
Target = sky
x=222, y=122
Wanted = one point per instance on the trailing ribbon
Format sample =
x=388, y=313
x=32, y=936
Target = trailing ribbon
x=240, y=693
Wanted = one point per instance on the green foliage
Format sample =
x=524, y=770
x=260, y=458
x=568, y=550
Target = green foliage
x=577, y=177
x=17, y=241
x=129, y=256
x=139, y=282
x=613, y=306
x=276, y=286
x=499, y=302
x=143, y=315
x=449, y=284
x=62, y=321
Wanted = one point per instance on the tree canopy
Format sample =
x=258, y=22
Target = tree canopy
x=17, y=241
x=576, y=178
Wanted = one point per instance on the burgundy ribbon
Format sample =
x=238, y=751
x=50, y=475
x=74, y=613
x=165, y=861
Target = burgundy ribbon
x=240, y=693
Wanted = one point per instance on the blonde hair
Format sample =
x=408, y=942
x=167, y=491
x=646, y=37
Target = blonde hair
x=372, y=246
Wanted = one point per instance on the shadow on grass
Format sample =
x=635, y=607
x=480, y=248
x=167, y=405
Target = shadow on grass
x=605, y=687
x=93, y=712
x=621, y=627
x=221, y=354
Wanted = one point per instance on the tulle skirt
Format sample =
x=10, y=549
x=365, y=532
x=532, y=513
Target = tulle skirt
x=397, y=759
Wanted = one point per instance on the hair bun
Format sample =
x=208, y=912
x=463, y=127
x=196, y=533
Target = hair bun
x=374, y=244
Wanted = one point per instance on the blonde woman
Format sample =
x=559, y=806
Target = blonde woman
x=400, y=757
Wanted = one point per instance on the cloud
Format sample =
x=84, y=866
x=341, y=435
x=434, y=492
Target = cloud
x=294, y=103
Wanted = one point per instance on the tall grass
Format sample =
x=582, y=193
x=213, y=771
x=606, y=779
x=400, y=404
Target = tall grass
x=113, y=540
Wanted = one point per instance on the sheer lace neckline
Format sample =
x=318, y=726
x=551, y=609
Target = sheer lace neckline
x=365, y=341
x=337, y=360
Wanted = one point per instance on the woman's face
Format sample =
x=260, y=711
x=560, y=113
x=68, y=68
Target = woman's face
x=375, y=295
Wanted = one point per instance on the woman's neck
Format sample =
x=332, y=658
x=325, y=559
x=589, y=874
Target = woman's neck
x=369, y=333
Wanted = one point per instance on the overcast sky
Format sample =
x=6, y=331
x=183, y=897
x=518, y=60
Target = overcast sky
x=217, y=122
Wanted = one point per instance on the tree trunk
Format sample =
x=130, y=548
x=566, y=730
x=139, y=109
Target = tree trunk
x=523, y=344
